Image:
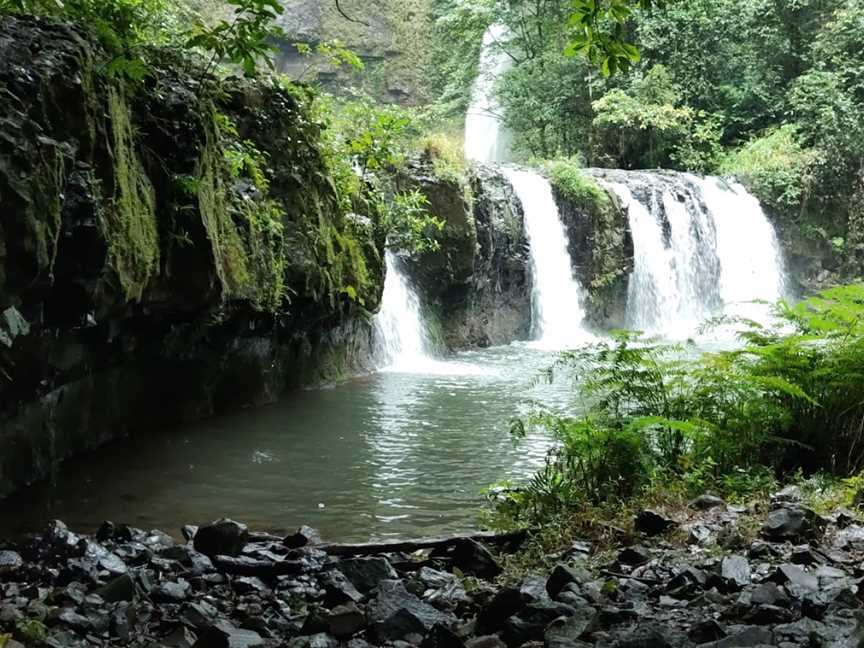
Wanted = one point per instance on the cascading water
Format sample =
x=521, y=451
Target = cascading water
x=401, y=336
x=557, y=305
x=703, y=248
x=485, y=138
x=557, y=301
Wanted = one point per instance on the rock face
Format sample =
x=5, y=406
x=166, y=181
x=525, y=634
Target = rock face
x=601, y=248
x=477, y=287
x=142, y=282
x=389, y=36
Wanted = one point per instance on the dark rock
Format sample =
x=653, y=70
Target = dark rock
x=789, y=494
x=222, y=538
x=198, y=615
x=442, y=637
x=346, y=620
x=471, y=558
x=106, y=531
x=321, y=640
x=647, y=636
x=806, y=555
x=121, y=588
x=247, y=566
x=652, y=523
x=395, y=613
x=792, y=523
x=769, y=594
x=70, y=618
x=634, y=556
x=506, y=602
x=530, y=623
x=338, y=589
x=189, y=531
x=487, y=641
x=706, y=502
x=705, y=631
x=305, y=536
x=563, y=575
x=745, y=638
x=367, y=573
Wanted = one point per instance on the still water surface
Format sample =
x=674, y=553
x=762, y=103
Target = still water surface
x=386, y=455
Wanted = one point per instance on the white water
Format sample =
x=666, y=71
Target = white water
x=485, y=137
x=703, y=248
x=558, y=316
x=403, y=341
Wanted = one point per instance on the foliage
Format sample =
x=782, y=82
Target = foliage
x=446, y=152
x=333, y=52
x=788, y=399
x=567, y=176
x=409, y=224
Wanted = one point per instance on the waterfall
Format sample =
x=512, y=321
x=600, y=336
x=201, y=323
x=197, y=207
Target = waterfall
x=557, y=299
x=400, y=334
x=703, y=248
x=485, y=137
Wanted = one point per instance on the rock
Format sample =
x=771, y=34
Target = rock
x=563, y=631
x=530, y=623
x=395, y=613
x=706, y=502
x=225, y=635
x=789, y=494
x=221, y=538
x=367, y=573
x=806, y=555
x=647, y=636
x=189, y=531
x=487, y=641
x=305, y=536
x=121, y=588
x=198, y=615
x=70, y=618
x=506, y=602
x=634, y=556
x=345, y=620
x=736, y=570
x=794, y=576
x=10, y=562
x=792, y=523
x=471, y=558
x=769, y=594
x=171, y=592
x=652, y=523
x=338, y=589
x=321, y=640
x=745, y=638
x=563, y=575
x=442, y=637
x=106, y=532
x=705, y=631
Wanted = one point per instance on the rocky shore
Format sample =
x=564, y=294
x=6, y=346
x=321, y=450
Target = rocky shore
x=704, y=577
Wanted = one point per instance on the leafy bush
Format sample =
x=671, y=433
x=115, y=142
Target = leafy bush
x=567, y=176
x=788, y=400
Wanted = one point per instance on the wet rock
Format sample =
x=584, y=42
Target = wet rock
x=171, y=592
x=305, y=536
x=789, y=494
x=792, y=523
x=345, y=620
x=366, y=574
x=395, y=613
x=70, y=618
x=706, y=502
x=10, y=562
x=106, y=531
x=221, y=538
x=471, y=558
x=321, y=640
x=806, y=555
x=769, y=594
x=487, y=641
x=652, y=523
x=198, y=615
x=736, y=571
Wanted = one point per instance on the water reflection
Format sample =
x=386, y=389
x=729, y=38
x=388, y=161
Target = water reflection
x=386, y=455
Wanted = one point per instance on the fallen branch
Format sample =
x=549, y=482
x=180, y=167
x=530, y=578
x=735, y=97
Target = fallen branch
x=410, y=546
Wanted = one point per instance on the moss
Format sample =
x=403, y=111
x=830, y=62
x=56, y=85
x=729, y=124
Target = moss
x=567, y=177
x=129, y=222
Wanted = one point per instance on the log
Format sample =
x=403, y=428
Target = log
x=410, y=546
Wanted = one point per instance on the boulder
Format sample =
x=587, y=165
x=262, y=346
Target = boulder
x=394, y=613
x=652, y=523
x=792, y=523
x=222, y=538
x=366, y=574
